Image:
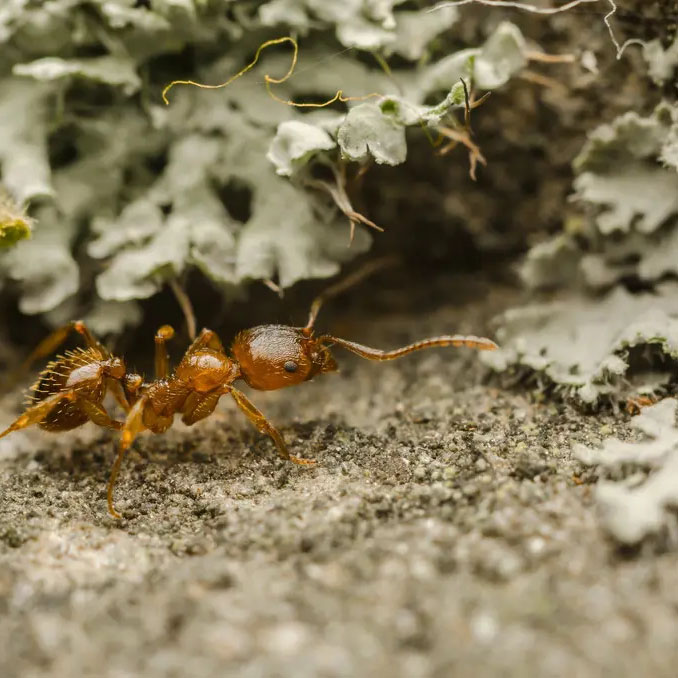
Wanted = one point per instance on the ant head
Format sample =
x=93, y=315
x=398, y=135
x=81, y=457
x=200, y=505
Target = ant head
x=275, y=356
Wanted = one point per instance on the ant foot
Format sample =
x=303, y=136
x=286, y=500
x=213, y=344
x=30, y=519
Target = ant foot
x=113, y=513
x=303, y=462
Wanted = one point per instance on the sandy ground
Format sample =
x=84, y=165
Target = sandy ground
x=446, y=531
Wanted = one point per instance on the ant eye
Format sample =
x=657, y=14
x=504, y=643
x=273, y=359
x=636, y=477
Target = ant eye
x=290, y=366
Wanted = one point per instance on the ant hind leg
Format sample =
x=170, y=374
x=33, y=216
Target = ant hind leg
x=36, y=413
x=51, y=343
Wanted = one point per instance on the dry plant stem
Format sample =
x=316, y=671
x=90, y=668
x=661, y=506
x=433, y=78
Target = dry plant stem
x=349, y=281
x=458, y=137
x=186, y=307
x=274, y=287
x=338, y=193
x=542, y=80
x=353, y=216
x=511, y=4
x=550, y=58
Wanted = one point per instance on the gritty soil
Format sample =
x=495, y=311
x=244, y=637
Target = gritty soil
x=445, y=531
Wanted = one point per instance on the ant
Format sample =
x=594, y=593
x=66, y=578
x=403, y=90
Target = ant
x=70, y=391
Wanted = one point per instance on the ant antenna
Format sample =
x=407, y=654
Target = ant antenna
x=348, y=282
x=479, y=343
x=186, y=307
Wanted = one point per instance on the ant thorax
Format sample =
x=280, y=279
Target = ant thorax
x=205, y=370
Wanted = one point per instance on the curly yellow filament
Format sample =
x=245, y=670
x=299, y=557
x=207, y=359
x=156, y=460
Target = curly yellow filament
x=270, y=80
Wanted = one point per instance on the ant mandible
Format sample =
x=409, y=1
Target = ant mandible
x=70, y=391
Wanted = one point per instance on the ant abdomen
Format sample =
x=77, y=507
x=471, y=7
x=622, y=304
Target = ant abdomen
x=80, y=370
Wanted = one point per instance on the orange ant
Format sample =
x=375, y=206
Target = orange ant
x=71, y=389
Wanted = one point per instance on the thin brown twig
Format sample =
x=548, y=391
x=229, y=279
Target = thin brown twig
x=337, y=192
x=458, y=137
x=534, y=55
x=186, y=307
x=511, y=4
x=274, y=287
x=541, y=79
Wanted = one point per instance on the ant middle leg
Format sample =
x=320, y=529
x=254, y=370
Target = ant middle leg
x=98, y=415
x=206, y=339
x=198, y=406
x=133, y=426
x=162, y=336
x=260, y=422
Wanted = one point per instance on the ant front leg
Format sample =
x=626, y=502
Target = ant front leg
x=260, y=422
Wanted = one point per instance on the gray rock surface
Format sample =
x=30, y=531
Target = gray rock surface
x=446, y=531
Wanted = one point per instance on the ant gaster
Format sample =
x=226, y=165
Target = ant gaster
x=70, y=390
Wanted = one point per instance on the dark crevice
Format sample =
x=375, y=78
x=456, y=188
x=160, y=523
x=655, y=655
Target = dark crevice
x=236, y=197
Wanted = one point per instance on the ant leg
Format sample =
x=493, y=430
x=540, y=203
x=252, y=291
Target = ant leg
x=132, y=427
x=206, y=339
x=36, y=413
x=263, y=426
x=199, y=406
x=369, y=353
x=119, y=394
x=98, y=415
x=51, y=342
x=163, y=335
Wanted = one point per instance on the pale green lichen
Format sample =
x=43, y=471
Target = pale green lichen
x=637, y=508
x=113, y=176
x=627, y=180
x=582, y=345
